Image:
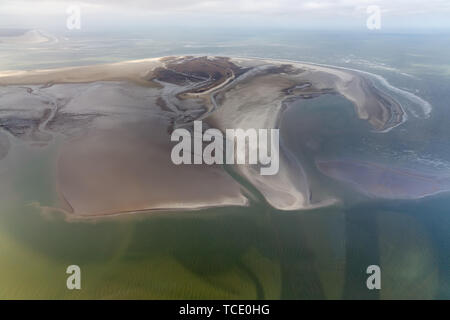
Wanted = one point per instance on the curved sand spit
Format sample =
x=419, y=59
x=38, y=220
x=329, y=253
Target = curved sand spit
x=117, y=120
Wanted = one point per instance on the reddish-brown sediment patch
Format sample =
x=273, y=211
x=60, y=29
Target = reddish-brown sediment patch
x=384, y=182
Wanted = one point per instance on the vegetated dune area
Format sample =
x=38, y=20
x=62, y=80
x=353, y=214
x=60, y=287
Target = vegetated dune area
x=115, y=121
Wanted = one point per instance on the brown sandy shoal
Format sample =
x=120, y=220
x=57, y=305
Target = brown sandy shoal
x=128, y=168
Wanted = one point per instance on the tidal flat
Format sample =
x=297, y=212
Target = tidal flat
x=117, y=119
x=86, y=161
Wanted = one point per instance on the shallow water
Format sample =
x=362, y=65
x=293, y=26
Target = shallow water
x=408, y=239
x=254, y=252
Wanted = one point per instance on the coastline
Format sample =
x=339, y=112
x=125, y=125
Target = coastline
x=250, y=100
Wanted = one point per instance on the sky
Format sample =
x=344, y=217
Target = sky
x=322, y=14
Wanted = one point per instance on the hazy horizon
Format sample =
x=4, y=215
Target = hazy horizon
x=407, y=16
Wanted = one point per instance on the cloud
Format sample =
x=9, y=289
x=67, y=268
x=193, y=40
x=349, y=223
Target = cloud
x=286, y=7
x=228, y=12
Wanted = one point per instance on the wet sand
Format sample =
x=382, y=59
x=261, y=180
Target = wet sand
x=128, y=169
x=117, y=121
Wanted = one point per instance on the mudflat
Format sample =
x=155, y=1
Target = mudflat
x=115, y=122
